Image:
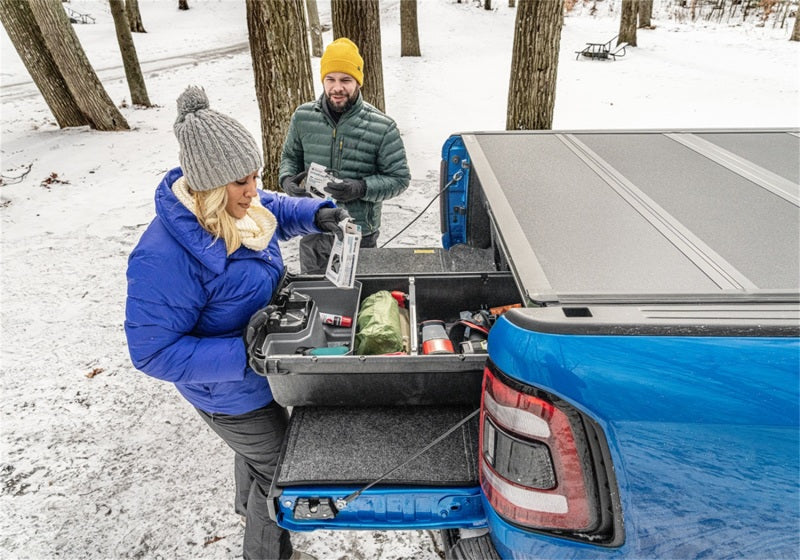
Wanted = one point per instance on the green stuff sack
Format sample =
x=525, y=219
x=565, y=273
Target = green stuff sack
x=378, y=325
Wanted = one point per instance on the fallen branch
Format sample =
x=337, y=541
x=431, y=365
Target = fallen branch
x=6, y=180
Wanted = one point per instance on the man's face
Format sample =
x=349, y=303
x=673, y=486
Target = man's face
x=341, y=90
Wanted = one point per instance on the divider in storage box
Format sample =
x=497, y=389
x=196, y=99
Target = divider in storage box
x=384, y=380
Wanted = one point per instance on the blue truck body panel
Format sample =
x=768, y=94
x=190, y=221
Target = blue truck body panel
x=703, y=432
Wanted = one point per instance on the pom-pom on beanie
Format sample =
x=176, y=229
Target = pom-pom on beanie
x=342, y=56
x=214, y=149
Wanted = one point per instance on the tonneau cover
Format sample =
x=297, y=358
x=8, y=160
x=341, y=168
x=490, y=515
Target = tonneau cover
x=708, y=216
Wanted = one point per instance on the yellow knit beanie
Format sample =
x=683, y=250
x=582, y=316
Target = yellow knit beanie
x=342, y=56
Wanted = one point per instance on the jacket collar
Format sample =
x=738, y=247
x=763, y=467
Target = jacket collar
x=185, y=229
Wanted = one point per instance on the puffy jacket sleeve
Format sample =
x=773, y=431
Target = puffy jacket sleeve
x=392, y=176
x=165, y=298
x=295, y=216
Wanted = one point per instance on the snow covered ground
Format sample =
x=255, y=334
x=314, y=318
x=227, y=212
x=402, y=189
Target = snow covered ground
x=98, y=460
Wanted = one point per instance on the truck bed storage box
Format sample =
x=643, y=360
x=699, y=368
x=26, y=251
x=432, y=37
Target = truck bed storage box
x=300, y=379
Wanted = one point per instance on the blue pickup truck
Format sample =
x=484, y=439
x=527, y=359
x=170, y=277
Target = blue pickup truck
x=638, y=394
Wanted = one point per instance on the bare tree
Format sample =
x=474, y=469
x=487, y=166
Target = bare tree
x=183, y=4
x=796, y=29
x=534, y=64
x=359, y=21
x=134, y=16
x=282, y=70
x=57, y=60
x=314, y=28
x=133, y=72
x=646, y=14
x=27, y=39
x=409, y=30
x=627, y=23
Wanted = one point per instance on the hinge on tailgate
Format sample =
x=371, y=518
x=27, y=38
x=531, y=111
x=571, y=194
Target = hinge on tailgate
x=315, y=508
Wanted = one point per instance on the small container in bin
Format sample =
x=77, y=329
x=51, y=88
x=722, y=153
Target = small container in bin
x=325, y=299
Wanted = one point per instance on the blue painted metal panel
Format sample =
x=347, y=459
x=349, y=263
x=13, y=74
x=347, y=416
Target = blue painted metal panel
x=454, y=221
x=703, y=433
x=388, y=508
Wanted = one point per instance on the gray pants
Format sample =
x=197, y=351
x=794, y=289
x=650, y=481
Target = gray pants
x=315, y=250
x=256, y=438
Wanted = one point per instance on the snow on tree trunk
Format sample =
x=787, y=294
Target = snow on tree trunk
x=133, y=72
x=534, y=64
x=282, y=69
x=359, y=21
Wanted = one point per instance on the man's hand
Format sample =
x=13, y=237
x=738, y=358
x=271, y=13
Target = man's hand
x=293, y=185
x=327, y=219
x=346, y=190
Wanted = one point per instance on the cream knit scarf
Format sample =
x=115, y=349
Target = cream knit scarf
x=256, y=228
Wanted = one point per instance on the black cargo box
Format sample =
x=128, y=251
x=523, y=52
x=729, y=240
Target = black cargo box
x=379, y=380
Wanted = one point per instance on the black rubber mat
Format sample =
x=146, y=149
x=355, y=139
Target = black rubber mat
x=338, y=445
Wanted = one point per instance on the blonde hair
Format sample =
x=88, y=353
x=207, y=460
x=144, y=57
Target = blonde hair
x=211, y=213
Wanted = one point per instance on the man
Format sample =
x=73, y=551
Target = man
x=358, y=144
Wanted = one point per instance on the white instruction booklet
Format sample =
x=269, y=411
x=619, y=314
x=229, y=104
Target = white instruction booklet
x=344, y=255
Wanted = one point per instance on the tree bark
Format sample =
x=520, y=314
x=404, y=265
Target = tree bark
x=130, y=60
x=282, y=69
x=314, y=28
x=534, y=64
x=134, y=16
x=645, y=14
x=627, y=23
x=409, y=30
x=796, y=29
x=86, y=89
x=359, y=21
x=27, y=39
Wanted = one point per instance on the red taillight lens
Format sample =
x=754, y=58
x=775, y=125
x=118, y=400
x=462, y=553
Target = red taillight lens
x=531, y=467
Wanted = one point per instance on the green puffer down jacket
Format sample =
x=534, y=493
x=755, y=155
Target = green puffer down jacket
x=365, y=144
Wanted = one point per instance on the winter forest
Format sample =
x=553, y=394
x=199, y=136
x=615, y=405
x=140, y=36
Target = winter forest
x=97, y=459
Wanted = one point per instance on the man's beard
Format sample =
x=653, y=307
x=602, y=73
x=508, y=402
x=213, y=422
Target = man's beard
x=347, y=104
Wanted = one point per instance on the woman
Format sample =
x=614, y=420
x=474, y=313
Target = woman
x=206, y=263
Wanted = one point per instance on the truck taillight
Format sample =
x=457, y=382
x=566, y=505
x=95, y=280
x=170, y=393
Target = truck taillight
x=542, y=464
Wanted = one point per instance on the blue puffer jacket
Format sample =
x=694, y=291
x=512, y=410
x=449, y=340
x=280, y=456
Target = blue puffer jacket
x=188, y=303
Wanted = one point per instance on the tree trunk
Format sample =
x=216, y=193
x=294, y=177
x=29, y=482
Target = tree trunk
x=487, y=4
x=133, y=72
x=27, y=39
x=183, y=4
x=512, y=3
x=796, y=29
x=627, y=23
x=314, y=28
x=134, y=16
x=534, y=64
x=282, y=70
x=409, y=30
x=359, y=21
x=645, y=14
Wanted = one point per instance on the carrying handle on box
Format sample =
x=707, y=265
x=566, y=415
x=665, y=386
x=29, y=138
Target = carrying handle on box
x=341, y=503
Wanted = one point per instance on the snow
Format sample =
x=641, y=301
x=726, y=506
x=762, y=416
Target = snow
x=98, y=460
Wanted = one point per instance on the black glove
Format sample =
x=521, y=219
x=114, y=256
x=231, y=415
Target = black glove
x=346, y=190
x=291, y=185
x=327, y=219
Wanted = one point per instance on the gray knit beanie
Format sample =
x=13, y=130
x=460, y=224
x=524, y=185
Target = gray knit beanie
x=215, y=149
